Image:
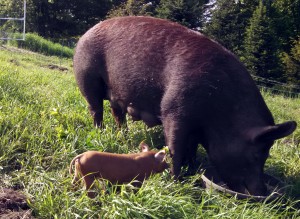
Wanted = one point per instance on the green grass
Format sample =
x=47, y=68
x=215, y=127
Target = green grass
x=36, y=43
x=44, y=123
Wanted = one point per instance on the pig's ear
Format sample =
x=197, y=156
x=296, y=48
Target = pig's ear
x=144, y=147
x=271, y=133
x=160, y=156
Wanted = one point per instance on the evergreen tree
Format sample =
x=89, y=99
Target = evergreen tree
x=186, y=12
x=133, y=8
x=291, y=64
x=229, y=21
x=57, y=18
x=261, y=48
x=286, y=16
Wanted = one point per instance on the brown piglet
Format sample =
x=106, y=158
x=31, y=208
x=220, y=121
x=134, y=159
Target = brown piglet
x=117, y=168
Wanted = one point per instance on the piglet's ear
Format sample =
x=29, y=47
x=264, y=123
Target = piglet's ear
x=271, y=133
x=160, y=156
x=144, y=147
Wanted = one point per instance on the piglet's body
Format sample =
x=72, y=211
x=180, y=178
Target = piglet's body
x=117, y=168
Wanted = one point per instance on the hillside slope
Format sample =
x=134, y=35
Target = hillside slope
x=44, y=123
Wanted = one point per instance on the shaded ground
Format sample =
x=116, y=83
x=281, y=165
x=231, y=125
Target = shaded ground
x=20, y=50
x=15, y=49
x=13, y=205
x=60, y=68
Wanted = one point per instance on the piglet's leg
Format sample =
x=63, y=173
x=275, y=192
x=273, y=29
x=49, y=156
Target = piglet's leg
x=76, y=174
x=89, y=182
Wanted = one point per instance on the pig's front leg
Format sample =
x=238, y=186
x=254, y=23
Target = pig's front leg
x=190, y=154
x=176, y=138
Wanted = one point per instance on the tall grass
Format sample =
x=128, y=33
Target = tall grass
x=44, y=123
x=36, y=43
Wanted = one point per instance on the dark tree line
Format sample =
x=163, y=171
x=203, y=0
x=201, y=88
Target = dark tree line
x=265, y=34
x=65, y=18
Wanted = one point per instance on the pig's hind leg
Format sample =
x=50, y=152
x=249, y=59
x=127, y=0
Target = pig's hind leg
x=89, y=76
x=76, y=174
x=89, y=180
x=93, y=89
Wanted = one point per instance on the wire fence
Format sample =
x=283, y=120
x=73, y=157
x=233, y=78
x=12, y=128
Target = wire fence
x=277, y=87
x=13, y=22
x=265, y=84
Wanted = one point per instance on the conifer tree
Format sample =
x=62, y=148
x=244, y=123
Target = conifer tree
x=261, y=48
x=291, y=64
x=229, y=21
x=187, y=12
x=286, y=15
x=133, y=8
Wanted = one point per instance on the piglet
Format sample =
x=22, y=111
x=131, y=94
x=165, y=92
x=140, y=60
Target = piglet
x=117, y=168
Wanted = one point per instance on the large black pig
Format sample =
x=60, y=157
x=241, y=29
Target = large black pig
x=163, y=73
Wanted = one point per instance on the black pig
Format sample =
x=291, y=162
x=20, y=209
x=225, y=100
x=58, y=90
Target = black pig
x=161, y=72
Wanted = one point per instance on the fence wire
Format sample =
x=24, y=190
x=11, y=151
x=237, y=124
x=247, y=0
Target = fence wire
x=13, y=23
x=277, y=87
x=273, y=86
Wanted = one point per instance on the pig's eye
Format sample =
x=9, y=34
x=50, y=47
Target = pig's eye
x=260, y=156
x=256, y=157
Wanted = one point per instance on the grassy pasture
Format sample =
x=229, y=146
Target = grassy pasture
x=36, y=43
x=44, y=123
